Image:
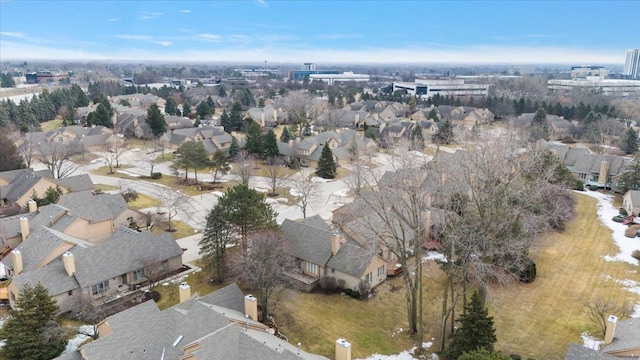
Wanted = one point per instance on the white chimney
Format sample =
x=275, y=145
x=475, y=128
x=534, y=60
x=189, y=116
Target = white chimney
x=184, y=291
x=251, y=307
x=24, y=227
x=69, y=263
x=336, y=242
x=343, y=350
x=16, y=257
x=611, y=329
x=33, y=206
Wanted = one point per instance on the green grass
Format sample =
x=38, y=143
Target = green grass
x=168, y=156
x=104, y=171
x=143, y=202
x=104, y=187
x=51, y=124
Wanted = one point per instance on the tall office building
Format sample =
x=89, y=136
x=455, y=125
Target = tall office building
x=632, y=64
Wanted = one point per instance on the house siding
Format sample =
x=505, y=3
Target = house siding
x=93, y=232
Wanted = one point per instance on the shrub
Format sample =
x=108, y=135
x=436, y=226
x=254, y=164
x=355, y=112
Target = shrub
x=348, y=292
x=515, y=357
x=636, y=254
x=156, y=175
x=579, y=185
x=364, y=288
x=130, y=195
x=593, y=187
x=355, y=294
x=623, y=212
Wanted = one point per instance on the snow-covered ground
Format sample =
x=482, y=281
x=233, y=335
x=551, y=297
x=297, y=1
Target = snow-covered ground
x=75, y=342
x=590, y=342
x=405, y=355
x=606, y=212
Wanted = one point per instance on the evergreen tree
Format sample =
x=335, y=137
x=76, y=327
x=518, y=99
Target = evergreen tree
x=445, y=133
x=476, y=330
x=203, y=109
x=6, y=81
x=211, y=104
x=191, y=155
x=234, y=148
x=235, y=117
x=32, y=330
x=253, y=142
x=222, y=92
x=217, y=237
x=261, y=103
x=155, y=120
x=630, y=141
x=630, y=179
x=270, y=145
x=433, y=115
x=539, y=127
x=10, y=159
x=171, y=108
x=225, y=121
x=326, y=164
x=286, y=135
x=102, y=115
x=417, y=140
x=186, y=108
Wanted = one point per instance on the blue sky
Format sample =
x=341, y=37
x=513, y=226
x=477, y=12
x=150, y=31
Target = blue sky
x=582, y=32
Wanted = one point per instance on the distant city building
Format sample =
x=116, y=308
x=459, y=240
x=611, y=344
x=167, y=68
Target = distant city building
x=632, y=64
x=615, y=87
x=334, y=78
x=309, y=69
x=44, y=77
x=452, y=87
x=584, y=71
x=256, y=72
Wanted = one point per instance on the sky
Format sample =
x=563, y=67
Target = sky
x=255, y=31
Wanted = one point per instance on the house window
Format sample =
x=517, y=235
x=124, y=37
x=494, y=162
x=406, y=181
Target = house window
x=368, y=277
x=70, y=293
x=164, y=267
x=381, y=271
x=100, y=288
x=138, y=275
x=312, y=268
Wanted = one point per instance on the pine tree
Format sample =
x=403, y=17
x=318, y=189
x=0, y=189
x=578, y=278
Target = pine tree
x=186, y=109
x=445, y=133
x=326, y=165
x=286, y=135
x=155, y=120
x=270, y=145
x=225, y=121
x=235, y=117
x=539, y=127
x=254, y=140
x=10, y=159
x=203, y=109
x=171, y=107
x=32, y=330
x=234, y=148
x=476, y=330
x=211, y=104
x=630, y=141
x=630, y=179
x=417, y=140
x=433, y=115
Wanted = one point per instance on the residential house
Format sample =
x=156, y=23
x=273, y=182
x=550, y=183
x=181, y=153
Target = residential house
x=105, y=272
x=307, y=151
x=214, y=138
x=19, y=186
x=267, y=115
x=631, y=202
x=467, y=116
x=320, y=251
x=132, y=124
x=139, y=101
x=621, y=337
x=342, y=118
x=559, y=127
x=219, y=326
x=177, y=122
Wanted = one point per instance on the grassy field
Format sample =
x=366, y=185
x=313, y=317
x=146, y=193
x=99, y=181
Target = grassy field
x=105, y=188
x=51, y=124
x=198, y=281
x=181, y=229
x=143, y=202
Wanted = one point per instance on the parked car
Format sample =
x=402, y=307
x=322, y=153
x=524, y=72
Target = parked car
x=618, y=218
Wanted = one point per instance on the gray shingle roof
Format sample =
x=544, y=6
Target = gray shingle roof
x=635, y=197
x=94, y=207
x=53, y=277
x=20, y=185
x=351, y=259
x=625, y=337
x=309, y=242
x=125, y=251
x=579, y=352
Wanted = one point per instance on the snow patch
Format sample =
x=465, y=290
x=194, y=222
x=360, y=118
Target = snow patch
x=319, y=179
x=74, y=343
x=261, y=190
x=434, y=255
x=606, y=211
x=128, y=173
x=217, y=193
x=343, y=192
x=590, y=342
x=294, y=192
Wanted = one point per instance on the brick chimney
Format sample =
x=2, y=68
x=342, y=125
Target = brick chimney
x=611, y=329
x=343, y=350
x=604, y=172
x=69, y=263
x=24, y=227
x=290, y=144
x=336, y=242
x=251, y=307
x=16, y=257
x=184, y=291
x=33, y=206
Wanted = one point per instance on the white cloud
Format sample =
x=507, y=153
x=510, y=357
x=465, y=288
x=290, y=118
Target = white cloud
x=133, y=37
x=210, y=37
x=262, y=3
x=114, y=19
x=185, y=11
x=147, y=15
x=337, y=36
x=163, y=43
x=12, y=34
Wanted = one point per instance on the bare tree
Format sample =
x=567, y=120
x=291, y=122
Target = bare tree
x=301, y=109
x=162, y=143
x=274, y=174
x=152, y=269
x=112, y=149
x=598, y=310
x=28, y=149
x=172, y=203
x=261, y=270
x=304, y=188
x=80, y=307
x=150, y=158
x=55, y=157
x=244, y=167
